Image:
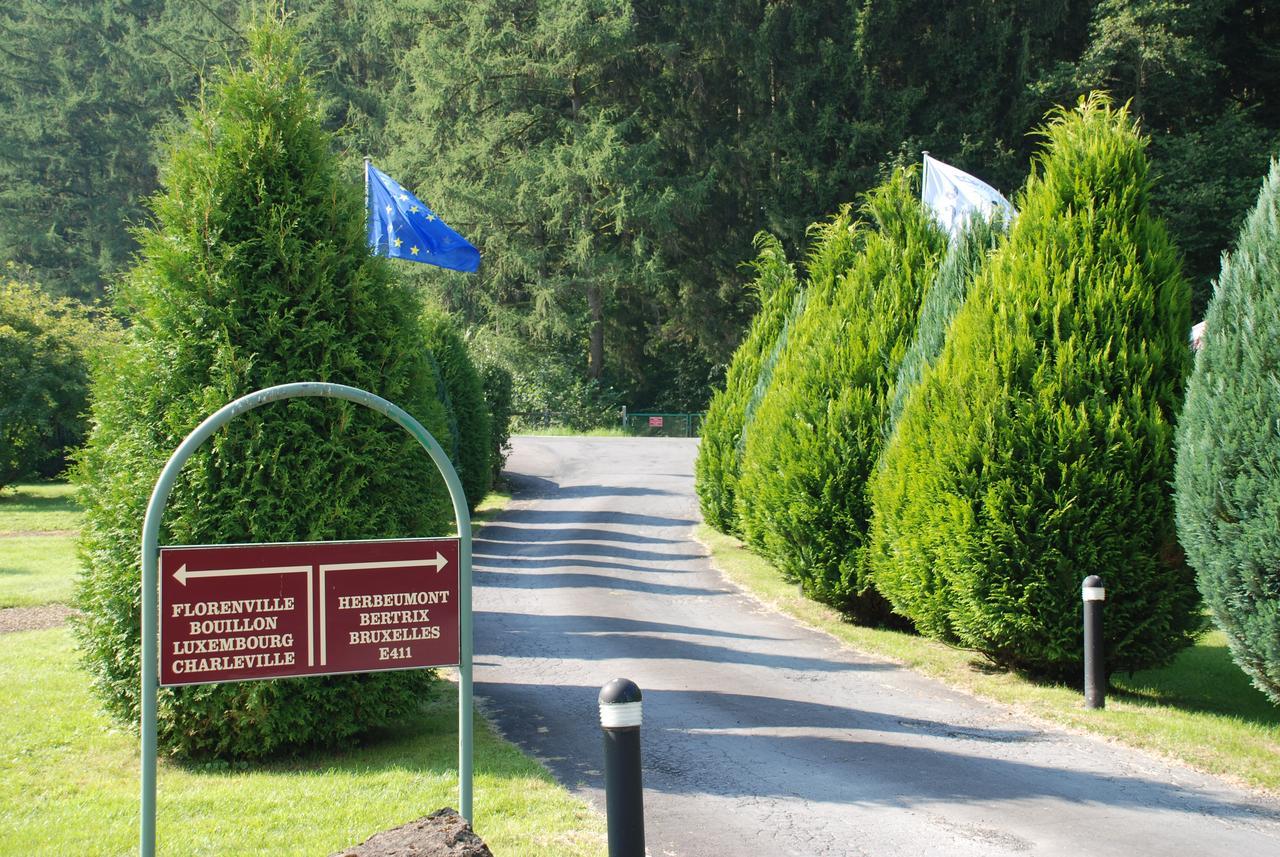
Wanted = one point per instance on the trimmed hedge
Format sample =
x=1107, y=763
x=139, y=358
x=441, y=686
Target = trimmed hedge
x=470, y=424
x=499, y=396
x=1038, y=449
x=1228, y=470
x=257, y=273
x=720, y=452
x=819, y=428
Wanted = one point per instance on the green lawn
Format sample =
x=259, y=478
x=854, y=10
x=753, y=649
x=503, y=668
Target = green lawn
x=39, y=507
x=1201, y=710
x=69, y=778
x=36, y=570
x=37, y=544
x=69, y=781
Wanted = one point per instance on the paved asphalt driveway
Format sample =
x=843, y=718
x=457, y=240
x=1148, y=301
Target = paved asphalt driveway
x=761, y=737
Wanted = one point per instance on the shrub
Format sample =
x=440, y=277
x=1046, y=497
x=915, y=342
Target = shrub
x=1038, y=449
x=256, y=273
x=963, y=261
x=964, y=258
x=497, y=383
x=716, y=468
x=46, y=345
x=818, y=430
x=469, y=423
x=1228, y=467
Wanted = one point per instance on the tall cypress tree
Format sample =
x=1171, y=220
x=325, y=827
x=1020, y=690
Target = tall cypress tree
x=1038, y=449
x=720, y=452
x=818, y=431
x=1228, y=472
x=257, y=273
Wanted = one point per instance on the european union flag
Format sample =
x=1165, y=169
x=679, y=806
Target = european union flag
x=401, y=227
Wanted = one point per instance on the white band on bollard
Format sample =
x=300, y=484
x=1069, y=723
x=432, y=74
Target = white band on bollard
x=1094, y=593
x=619, y=715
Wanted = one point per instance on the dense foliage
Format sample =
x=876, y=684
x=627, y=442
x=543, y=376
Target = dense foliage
x=46, y=345
x=613, y=159
x=1228, y=469
x=965, y=256
x=1038, y=448
x=719, y=454
x=468, y=442
x=256, y=273
x=498, y=396
x=818, y=431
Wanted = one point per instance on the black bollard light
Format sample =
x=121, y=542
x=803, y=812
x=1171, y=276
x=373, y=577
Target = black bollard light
x=1095, y=671
x=623, y=793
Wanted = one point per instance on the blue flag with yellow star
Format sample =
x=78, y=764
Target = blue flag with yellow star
x=401, y=227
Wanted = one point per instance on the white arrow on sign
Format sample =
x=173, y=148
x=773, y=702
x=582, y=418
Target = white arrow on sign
x=438, y=563
x=182, y=576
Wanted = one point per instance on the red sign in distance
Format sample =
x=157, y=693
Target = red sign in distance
x=243, y=612
x=655, y=422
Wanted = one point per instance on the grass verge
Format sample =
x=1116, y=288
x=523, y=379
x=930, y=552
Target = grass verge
x=1201, y=710
x=69, y=781
x=566, y=431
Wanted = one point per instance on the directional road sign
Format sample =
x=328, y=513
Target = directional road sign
x=241, y=612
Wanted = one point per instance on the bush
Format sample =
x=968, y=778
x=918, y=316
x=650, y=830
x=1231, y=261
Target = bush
x=1038, y=449
x=964, y=258
x=469, y=420
x=716, y=468
x=818, y=430
x=257, y=273
x=1228, y=468
x=46, y=346
x=496, y=380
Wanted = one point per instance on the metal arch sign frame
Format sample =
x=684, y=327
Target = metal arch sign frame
x=150, y=575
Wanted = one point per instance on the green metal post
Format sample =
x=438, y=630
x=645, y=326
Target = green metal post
x=151, y=560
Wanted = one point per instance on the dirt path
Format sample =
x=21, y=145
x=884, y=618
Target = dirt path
x=33, y=618
x=760, y=736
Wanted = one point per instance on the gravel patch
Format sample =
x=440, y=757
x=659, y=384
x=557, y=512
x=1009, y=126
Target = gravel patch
x=33, y=618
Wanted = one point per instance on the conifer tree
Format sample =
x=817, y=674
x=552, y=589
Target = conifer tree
x=819, y=429
x=1038, y=449
x=719, y=454
x=964, y=258
x=468, y=411
x=256, y=273
x=1228, y=469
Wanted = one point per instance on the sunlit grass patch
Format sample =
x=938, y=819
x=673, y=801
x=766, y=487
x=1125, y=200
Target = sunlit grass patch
x=36, y=570
x=38, y=507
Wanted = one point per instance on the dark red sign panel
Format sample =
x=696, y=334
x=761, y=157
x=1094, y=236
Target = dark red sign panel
x=240, y=612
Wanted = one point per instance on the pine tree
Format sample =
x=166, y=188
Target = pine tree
x=1038, y=448
x=257, y=273
x=819, y=429
x=720, y=452
x=1228, y=468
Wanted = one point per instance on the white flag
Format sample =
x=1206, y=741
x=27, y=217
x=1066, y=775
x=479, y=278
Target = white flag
x=954, y=195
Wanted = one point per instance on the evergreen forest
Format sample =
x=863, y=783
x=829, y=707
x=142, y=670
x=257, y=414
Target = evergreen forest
x=613, y=161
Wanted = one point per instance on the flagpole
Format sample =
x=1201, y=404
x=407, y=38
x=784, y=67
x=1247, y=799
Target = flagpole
x=924, y=172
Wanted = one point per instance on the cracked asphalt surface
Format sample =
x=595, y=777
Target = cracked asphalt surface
x=760, y=736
